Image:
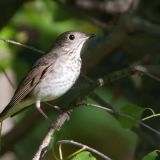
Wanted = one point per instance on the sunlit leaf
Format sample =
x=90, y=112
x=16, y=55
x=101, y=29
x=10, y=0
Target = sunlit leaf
x=155, y=155
x=84, y=156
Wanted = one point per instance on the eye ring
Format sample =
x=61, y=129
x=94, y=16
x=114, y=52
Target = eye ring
x=71, y=37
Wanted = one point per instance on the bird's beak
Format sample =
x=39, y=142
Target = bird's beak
x=89, y=36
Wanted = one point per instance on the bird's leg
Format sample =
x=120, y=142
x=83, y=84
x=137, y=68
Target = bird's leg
x=38, y=106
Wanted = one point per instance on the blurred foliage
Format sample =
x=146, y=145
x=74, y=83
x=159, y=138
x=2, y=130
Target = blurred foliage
x=38, y=23
x=152, y=156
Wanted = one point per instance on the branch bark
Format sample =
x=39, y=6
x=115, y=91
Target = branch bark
x=56, y=125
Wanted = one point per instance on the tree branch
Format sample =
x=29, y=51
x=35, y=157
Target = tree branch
x=85, y=147
x=122, y=115
x=28, y=123
x=56, y=125
x=22, y=45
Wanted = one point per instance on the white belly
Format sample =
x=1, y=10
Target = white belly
x=57, y=82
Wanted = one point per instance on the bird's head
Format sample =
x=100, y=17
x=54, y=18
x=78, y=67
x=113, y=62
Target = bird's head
x=72, y=41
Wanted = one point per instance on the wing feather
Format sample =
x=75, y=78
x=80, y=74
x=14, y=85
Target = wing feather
x=37, y=73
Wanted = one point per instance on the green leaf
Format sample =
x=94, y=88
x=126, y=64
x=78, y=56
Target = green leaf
x=84, y=155
x=152, y=155
x=133, y=111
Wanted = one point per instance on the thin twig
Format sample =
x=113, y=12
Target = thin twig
x=151, y=116
x=85, y=147
x=22, y=45
x=123, y=115
x=75, y=153
x=60, y=152
x=53, y=106
x=142, y=69
x=56, y=125
x=108, y=107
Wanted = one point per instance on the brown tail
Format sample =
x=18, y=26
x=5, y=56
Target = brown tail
x=11, y=110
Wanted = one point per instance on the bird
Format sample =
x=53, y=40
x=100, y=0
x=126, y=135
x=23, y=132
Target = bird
x=53, y=74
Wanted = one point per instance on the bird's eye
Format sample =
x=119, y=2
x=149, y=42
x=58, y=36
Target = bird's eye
x=71, y=37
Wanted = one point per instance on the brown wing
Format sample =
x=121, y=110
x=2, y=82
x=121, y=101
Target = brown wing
x=37, y=73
